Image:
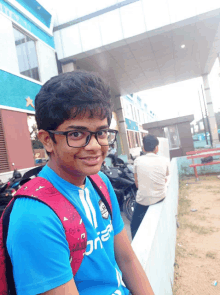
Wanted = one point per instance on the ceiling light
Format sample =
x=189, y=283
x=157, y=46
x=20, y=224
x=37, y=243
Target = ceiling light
x=183, y=46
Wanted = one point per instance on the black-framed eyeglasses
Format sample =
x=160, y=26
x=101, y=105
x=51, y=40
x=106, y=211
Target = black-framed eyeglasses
x=79, y=138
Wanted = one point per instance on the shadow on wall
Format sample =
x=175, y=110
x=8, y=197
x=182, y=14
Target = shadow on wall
x=184, y=169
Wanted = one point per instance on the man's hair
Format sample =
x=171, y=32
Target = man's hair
x=71, y=94
x=150, y=142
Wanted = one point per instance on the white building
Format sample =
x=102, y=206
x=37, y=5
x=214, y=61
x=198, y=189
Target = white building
x=27, y=60
x=136, y=112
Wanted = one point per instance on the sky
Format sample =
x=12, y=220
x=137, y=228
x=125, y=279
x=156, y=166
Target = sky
x=182, y=98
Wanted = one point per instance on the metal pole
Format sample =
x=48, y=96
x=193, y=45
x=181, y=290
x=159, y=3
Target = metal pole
x=203, y=119
x=207, y=118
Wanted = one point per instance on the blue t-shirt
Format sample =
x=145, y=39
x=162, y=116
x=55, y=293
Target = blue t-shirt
x=39, y=250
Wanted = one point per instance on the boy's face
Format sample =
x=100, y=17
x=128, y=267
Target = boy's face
x=78, y=162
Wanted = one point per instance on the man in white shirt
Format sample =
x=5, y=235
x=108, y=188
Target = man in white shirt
x=150, y=172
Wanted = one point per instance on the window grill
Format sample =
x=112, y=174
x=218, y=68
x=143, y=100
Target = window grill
x=4, y=165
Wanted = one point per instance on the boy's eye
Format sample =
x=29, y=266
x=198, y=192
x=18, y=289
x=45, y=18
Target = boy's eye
x=102, y=133
x=75, y=135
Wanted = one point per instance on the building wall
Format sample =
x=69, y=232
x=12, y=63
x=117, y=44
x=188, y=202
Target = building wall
x=185, y=136
x=135, y=113
x=17, y=138
x=46, y=61
x=9, y=17
x=186, y=139
x=158, y=132
x=8, y=55
x=15, y=88
x=26, y=20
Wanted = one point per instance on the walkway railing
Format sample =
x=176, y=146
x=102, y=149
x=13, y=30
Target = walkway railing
x=154, y=243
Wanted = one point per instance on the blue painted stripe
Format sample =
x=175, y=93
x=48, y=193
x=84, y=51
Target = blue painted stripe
x=131, y=125
x=129, y=99
x=25, y=23
x=33, y=7
x=14, y=91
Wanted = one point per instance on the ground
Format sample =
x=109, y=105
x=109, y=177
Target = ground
x=197, y=263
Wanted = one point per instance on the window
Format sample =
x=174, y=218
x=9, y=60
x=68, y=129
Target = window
x=4, y=164
x=27, y=55
x=131, y=112
x=128, y=110
x=137, y=139
x=133, y=139
x=134, y=113
x=138, y=115
x=171, y=133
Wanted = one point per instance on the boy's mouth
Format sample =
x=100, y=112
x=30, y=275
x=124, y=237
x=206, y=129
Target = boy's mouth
x=91, y=160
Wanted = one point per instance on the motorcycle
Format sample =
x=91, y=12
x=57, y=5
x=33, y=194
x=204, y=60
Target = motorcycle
x=122, y=180
x=14, y=182
x=8, y=189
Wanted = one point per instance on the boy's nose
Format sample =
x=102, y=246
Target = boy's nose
x=93, y=143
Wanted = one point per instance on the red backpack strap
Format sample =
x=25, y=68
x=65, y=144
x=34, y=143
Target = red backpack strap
x=42, y=190
x=7, y=285
x=102, y=190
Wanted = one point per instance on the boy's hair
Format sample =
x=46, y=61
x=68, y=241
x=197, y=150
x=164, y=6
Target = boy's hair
x=71, y=94
x=150, y=142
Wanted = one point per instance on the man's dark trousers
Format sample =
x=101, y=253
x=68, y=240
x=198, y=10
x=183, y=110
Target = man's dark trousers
x=138, y=215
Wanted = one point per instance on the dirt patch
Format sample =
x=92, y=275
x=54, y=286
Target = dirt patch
x=197, y=263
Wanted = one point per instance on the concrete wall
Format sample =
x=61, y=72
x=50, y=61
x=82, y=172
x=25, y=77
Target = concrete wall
x=154, y=243
x=184, y=169
x=17, y=138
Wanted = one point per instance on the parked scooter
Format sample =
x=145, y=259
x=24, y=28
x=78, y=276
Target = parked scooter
x=122, y=180
x=8, y=189
x=14, y=182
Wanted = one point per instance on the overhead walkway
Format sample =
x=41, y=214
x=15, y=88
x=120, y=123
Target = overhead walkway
x=140, y=44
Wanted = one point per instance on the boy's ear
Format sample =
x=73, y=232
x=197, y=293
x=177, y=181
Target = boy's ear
x=46, y=140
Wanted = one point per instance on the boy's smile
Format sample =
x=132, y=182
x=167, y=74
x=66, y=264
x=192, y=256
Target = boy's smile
x=74, y=164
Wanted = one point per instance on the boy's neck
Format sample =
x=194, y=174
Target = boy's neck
x=77, y=180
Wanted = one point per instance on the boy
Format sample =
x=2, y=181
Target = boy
x=73, y=114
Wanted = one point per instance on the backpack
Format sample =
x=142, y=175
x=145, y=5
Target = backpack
x=42, y=190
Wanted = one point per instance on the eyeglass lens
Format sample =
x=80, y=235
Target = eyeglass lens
x=80, y=138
